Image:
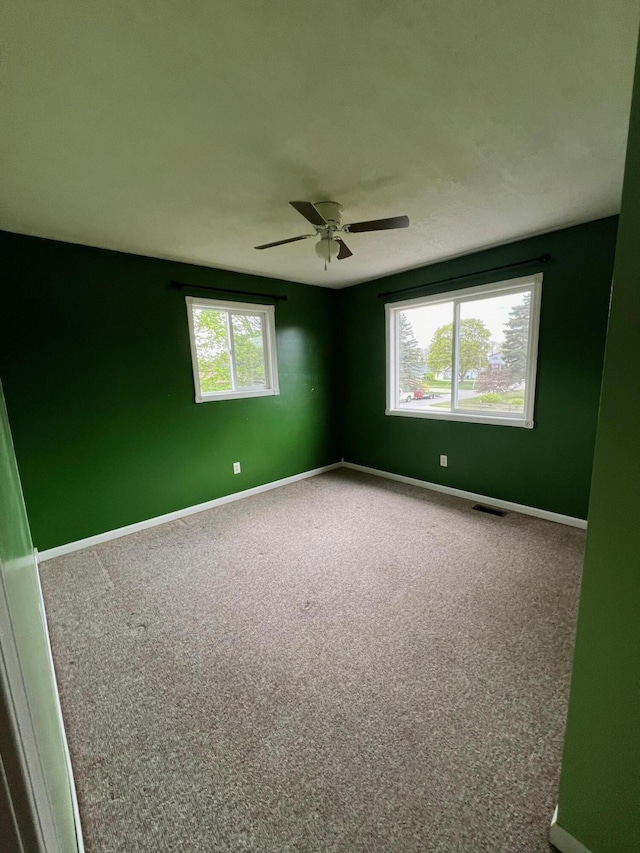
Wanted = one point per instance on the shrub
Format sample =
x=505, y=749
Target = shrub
x=494, y=380
x=490, y=398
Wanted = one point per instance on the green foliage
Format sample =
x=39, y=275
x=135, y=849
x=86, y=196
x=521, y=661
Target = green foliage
x=213, y=348
x=249, y=351
x=490, y=398
x=411, y=356
x=439, y=354
x=475, y=342
x=214, y=365
x=516, y=336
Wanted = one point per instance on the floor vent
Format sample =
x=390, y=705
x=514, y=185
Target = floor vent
x=490, y=510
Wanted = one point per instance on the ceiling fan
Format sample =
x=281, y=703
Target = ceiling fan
x=326, y=218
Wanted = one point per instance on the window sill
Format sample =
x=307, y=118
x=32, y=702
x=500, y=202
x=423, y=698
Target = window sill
x=464, y=418
x=235, y=395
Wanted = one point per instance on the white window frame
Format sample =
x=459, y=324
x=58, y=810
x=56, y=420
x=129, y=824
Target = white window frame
x=269, y=348
x=457, y=297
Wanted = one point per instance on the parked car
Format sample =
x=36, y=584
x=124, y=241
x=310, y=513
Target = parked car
x=405, y=396
x=424, y=394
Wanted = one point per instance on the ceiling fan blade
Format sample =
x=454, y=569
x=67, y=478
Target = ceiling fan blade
x=345, y=251
x=281, y=242
x=309, y=212
x=379, y=224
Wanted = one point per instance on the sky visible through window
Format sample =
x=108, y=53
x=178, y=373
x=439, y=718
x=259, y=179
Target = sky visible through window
x=494, y=313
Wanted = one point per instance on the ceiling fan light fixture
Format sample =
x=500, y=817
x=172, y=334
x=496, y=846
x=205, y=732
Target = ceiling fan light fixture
x=327, y=248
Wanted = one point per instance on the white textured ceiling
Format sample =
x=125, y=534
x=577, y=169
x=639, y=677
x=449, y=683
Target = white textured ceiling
x=182, y=130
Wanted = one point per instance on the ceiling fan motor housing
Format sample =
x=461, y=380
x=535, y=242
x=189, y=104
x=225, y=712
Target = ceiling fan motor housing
x=331, y=211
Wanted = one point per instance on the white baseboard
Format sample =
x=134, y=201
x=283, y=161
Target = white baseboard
x=472, y=496
x=562, y=840
x=90, y=541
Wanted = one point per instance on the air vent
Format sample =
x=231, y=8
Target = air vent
x=490, y=510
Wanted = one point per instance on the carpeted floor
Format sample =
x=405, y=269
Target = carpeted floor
x=342, y=664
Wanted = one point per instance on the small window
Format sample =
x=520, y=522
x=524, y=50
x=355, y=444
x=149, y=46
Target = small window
x=233, y=349
x=466, y=355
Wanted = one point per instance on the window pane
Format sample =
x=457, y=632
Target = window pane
x=424, y=356
x=248, y=348
x=212, y=349
x=470, y=357
x=494, y=337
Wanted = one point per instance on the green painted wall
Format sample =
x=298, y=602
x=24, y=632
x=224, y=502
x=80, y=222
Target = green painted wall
x=96, y=365
x=548, y=466
x=600, y=784
x=94, y=355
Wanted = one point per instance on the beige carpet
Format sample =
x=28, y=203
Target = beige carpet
x=343, y=664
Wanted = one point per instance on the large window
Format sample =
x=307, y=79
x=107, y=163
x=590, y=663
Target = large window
x=233, y=349
x=466, y=355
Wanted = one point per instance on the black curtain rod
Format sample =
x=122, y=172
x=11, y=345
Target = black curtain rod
x=275, y=296
x=542, y=259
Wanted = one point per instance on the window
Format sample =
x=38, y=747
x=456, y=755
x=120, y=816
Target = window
x=466, y=355
x=233, y=349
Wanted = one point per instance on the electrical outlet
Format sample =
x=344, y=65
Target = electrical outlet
x=443, y=461
x=236, y=467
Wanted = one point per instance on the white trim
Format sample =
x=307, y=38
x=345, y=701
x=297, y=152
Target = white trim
x=390, y=340
x=232, y=353
x=564, y=841
x=269, y=349
x=458, y=416
x=234, y=395
x=455, y=359
x=472, y=496
x=90, y=541
x=457, y=412
x=24, y=736
x=58, y=712
x=226, y=305
x=533, y=336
